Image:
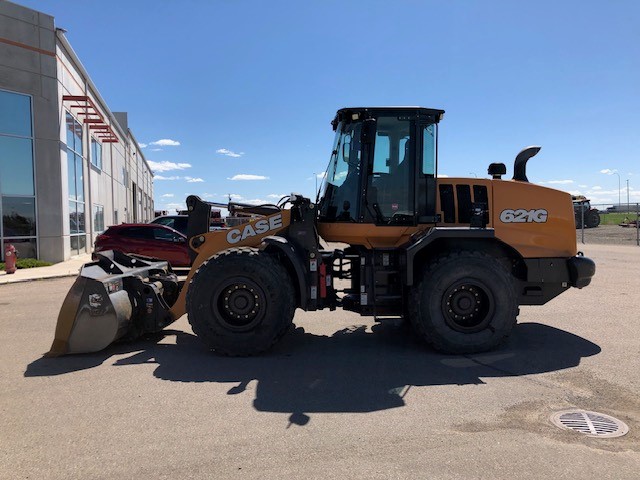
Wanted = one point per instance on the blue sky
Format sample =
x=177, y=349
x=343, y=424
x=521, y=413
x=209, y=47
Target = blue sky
x=248, y=88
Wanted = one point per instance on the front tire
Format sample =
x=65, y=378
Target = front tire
x=240, y=301
x=465, y=303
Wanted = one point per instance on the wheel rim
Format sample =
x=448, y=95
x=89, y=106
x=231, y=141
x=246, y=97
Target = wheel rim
x=468, y=306
x=239, y=303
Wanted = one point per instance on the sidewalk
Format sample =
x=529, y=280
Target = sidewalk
x=70, y=268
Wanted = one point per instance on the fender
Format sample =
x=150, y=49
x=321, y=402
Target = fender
x=437, y=233
x=283, y=245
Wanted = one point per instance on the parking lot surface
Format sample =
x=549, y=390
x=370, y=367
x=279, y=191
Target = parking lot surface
x=340, y=397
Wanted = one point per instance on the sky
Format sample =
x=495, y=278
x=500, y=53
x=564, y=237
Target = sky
x=236, y=97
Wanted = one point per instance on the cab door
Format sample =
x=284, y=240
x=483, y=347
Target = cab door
x=390, y=182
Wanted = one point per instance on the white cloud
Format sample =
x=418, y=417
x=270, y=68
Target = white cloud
x=167, y=195
x=244, y=176
x=608, y=171
x=156, y=149
x=583, y=186
x=160, y=177
x=235, y=196
x=229, y=153
x=193, y=180
x=255, y=201
x=166, y=166
x=174, y=206
x=165, y=142
x=276, y=195
x=321, y=175
x=559, y=182
x=443, y=175
x=597, y=187
x=142, y=145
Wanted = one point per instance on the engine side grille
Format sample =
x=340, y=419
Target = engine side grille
x=456, y=203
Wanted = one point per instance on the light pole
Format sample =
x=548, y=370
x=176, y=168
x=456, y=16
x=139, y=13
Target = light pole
x=628, y=195
x=471, y=173
x=616, y=173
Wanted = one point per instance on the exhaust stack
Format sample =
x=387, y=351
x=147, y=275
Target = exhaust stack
x=520, y=165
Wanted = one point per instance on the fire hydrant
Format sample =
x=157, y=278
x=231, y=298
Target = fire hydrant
x=10, y=257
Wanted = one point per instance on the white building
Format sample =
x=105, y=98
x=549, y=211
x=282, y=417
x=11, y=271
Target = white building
x=69, y=167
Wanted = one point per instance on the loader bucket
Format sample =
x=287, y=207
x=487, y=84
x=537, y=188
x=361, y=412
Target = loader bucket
x=116, y=297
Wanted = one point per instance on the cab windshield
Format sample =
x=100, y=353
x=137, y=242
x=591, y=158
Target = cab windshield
x=342, y=181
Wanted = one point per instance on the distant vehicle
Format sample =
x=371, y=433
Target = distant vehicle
x=148, y=239
x=591, y=215
x=177, y=222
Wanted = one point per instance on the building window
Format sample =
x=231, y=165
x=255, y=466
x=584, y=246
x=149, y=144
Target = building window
x=75, y=179
x=98, y=218
x=96, y=154
x=17, y=188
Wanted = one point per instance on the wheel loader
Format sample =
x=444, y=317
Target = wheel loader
x=584, y=212
x=456, y=257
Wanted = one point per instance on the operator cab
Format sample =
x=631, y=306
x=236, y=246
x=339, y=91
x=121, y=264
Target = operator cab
x=383, y=167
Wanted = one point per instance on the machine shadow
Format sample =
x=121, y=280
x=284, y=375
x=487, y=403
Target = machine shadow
x=353, y=370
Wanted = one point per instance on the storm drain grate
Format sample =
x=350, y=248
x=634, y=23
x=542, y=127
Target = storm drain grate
x=592, y=424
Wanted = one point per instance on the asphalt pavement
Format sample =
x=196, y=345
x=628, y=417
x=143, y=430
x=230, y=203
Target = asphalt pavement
x=339, y=397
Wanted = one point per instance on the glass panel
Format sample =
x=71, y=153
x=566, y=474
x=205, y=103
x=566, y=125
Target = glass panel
x=16, y=166
x=15, y=114
x=77, y=134
x=96, y=153
x=26, y=247
x=73, y=218
x=19, y=216
x=162, y=234
x=81, y=224
x=78, y=244
x=98, y=218
x=389, y=185
x=137, y=232
x=79, y=179
x=429, y=150
x=71, y=175
x=341, y=183
x=70, y=126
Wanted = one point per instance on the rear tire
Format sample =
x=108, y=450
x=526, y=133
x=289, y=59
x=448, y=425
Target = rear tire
x=593, y=219
x=465, y=303
x=240, y=301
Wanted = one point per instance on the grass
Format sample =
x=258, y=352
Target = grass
x=616, y=218
x=28, y=263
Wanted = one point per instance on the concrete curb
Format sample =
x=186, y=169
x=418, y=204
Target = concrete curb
x=69, y=268
x=7, y=281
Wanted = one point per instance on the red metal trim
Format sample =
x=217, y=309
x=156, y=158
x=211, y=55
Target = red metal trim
x=28, y=47
x=103, y=130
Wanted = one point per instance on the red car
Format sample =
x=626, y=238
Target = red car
x=148, y=239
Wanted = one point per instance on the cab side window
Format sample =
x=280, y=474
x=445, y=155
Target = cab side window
x=429, y=150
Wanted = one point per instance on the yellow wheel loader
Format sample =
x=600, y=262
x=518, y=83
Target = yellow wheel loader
x=455, y=256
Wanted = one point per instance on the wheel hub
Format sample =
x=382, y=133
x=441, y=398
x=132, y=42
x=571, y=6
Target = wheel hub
x=240, y=304
x=466, y=307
